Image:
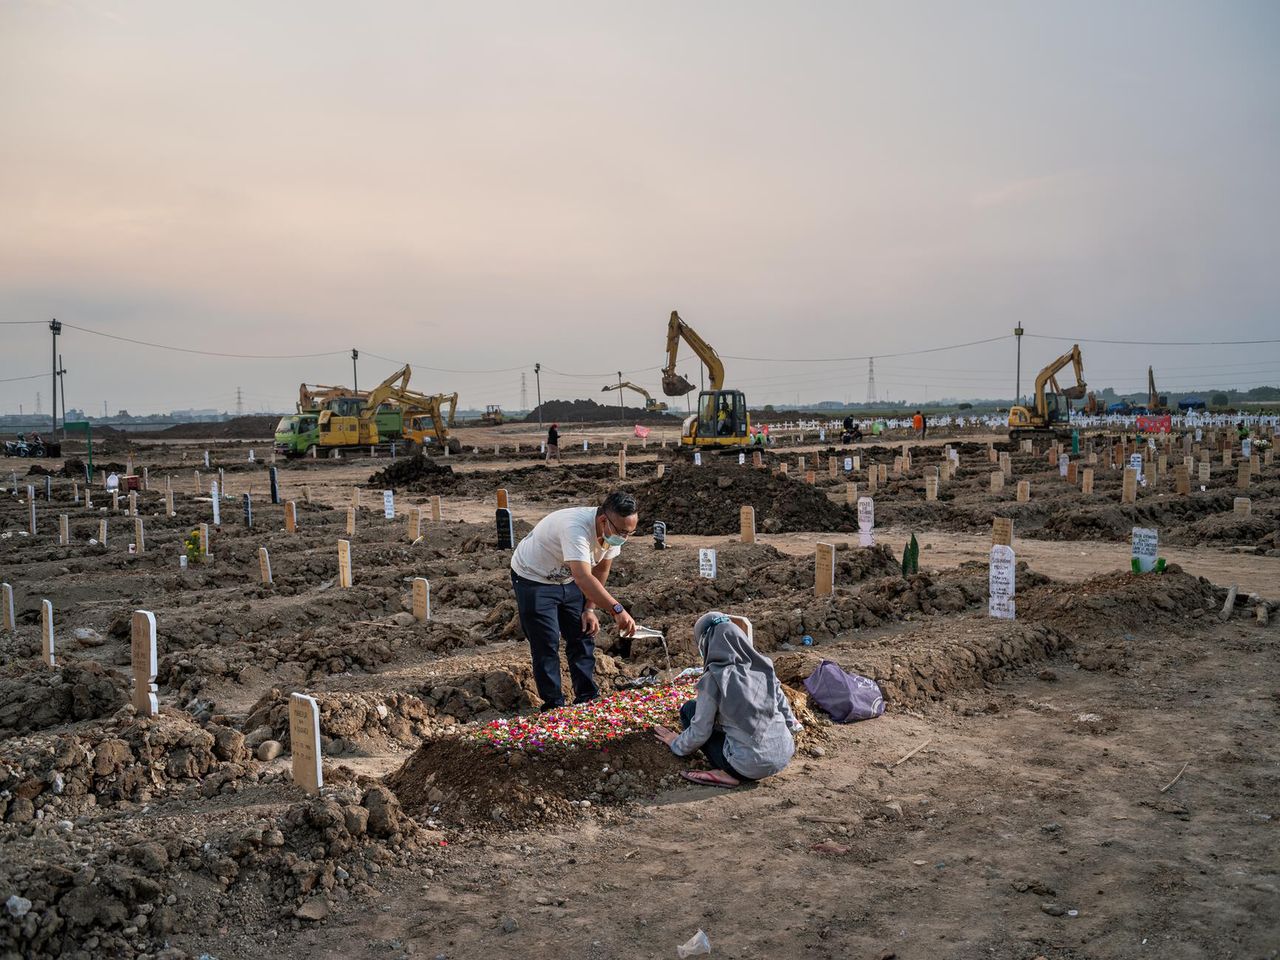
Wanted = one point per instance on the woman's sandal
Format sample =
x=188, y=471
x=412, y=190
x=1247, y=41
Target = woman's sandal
x=710, y=778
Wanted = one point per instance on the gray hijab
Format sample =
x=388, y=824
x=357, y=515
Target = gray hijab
x=744, y=679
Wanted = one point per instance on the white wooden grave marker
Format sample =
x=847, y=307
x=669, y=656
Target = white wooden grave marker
x=1001, y=583
x=866, y=521
x=707, y=563
x=46, y=634
x=1145, y=548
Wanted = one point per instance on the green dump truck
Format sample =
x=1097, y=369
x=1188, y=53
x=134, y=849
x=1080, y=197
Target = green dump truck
x=297, y=434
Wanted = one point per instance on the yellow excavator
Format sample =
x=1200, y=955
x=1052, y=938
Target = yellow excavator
x=721, y=419
x=314, y=397
x=650, y=405
x=424, y=415
x=1156, y=403
x=428, y=419
x=1048, y=415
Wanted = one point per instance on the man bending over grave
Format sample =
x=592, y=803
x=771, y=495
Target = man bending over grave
x=559, y=573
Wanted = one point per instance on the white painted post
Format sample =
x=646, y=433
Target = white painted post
x=46, y=634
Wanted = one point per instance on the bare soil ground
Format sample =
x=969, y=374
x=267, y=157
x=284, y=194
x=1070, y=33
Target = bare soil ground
x=1095, y=779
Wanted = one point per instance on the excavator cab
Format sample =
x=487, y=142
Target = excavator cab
x=721, y=421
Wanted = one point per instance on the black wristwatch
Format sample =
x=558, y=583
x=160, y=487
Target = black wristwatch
x=617, y=609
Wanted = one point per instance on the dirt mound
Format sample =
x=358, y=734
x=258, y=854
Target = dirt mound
x=38, y=699
x=417, y=473
x=125, y=759
x=126, y=888
x=1120, y=600
x=588, y=411
x=237, y=428
x=934, y=662
x=706, y=500
x=345, y=719
x=468, y=782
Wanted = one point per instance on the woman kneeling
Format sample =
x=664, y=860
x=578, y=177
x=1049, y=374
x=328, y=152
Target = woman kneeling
x=741, y=718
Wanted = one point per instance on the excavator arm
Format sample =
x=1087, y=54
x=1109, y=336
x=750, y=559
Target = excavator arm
x=649, y=402
x=1048, y=376
x=674, y=385
x=314, y=396
x=388, y=389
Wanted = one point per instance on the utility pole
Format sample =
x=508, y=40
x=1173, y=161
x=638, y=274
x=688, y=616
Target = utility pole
x=871, y=381
x=355, y=376
x=239, y=403
x=537, y=375
x=62, y=382
x=1017, y=332
x=622, y=407
x=55, y=327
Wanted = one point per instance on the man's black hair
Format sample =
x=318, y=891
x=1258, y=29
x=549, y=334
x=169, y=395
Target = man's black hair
x=621, y=504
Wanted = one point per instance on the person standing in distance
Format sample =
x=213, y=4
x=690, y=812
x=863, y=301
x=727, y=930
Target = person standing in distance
x=553, y=442
x=559, y=573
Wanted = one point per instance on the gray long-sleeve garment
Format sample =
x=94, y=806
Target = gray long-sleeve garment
x=752, y=758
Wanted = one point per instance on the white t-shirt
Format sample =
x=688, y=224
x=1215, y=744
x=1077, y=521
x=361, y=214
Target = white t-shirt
x=560, y=537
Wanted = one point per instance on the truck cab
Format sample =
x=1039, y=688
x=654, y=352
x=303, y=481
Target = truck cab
x=721, y=421
x=297, y=434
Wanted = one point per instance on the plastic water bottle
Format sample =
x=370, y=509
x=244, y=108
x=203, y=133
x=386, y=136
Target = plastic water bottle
x=806, y=640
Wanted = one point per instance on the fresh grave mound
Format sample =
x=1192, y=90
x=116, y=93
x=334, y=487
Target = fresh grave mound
x=469, y=783
x=417, y=473
x=1118, y=601
x=126, y=758
x=706, y=500
x=522, y=770
x=39, y=699
x=525, y=769
x=348, y=721
x=592, y=723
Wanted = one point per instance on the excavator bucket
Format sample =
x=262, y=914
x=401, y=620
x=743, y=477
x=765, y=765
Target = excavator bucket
x=674, y=385
x=1075, y=393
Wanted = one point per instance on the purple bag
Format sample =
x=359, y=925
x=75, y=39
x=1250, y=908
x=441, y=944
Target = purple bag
x=846, y=696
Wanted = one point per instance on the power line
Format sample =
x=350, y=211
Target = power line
x=34, y=376
x=206, y=353
x=423, y=366
x=869, y=356
x=1155, y=343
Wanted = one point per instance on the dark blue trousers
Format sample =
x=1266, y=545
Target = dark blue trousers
x=548, y=612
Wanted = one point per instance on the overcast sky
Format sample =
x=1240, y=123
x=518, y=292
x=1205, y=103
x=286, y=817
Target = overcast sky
x=479, y=186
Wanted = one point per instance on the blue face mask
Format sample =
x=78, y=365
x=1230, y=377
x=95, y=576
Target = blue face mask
x=613, y=539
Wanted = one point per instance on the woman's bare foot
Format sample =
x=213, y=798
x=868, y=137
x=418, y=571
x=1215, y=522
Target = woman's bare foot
x=711, y=778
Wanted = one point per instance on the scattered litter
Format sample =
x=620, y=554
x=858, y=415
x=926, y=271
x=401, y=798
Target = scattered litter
x=694, y=946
